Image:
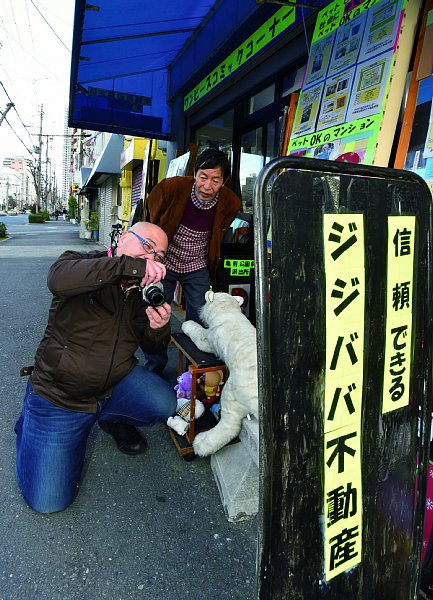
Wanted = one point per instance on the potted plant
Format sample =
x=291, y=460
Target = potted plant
x=92, y=225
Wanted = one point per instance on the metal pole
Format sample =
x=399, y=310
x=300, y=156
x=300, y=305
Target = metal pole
x=39, y=178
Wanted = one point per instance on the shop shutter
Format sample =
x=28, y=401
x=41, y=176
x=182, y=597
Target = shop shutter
x=105, y=212
x=137, y=175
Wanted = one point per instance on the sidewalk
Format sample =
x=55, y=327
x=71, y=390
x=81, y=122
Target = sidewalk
x=150, y=527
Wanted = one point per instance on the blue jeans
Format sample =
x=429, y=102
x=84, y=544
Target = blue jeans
x=194, y=287
x=51, y=441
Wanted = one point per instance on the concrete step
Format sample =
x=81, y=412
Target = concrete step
x=237, y=478
x=249, y=436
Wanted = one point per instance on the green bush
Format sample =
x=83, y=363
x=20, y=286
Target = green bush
x=36, y=218
x=3, y=230
x=93, y=222
x=45, y=215
x=72, y=206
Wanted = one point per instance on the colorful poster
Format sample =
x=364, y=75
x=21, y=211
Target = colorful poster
x=319, y=59
x=382, y=29
x=335, y=99
x=347, y=44
x=371, y=82
x=307, y=110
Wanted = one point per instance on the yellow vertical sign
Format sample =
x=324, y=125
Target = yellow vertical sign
x=399, y=307
x=345, y=315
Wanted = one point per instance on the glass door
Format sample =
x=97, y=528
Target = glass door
x=251, y=162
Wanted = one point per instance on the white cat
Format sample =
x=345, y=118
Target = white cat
x=232, y=338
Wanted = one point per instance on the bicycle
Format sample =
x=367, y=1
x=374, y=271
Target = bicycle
x=115, y=233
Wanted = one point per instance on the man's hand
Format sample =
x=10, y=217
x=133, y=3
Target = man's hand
x=155, y=271
x=158, y=315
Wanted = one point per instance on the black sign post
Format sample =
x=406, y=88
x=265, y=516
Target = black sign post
x=344, y=325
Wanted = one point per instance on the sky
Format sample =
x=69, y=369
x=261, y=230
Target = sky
x=35, y=65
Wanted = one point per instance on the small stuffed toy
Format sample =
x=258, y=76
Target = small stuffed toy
x=184, y=385
x=210, y=383
x=180, y=421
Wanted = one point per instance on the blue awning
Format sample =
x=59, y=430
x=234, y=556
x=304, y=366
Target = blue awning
x=128, y=54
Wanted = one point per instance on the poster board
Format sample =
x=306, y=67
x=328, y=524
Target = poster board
x=353, y=74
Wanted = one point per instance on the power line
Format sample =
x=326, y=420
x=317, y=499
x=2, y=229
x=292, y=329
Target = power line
x=60, y=40
x=28, y=150
x=15, y=108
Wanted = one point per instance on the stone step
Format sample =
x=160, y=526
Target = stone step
x=237, y=478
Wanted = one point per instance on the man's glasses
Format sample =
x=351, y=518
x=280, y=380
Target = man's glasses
x=148, y=248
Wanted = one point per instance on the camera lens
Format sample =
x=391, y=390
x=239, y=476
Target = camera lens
x=153, y=295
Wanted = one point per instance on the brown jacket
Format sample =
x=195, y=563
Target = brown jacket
x=93, y=330
x=167, y=203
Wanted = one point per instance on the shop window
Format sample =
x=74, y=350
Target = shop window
x=218, y=133
x=260, y=100
x=419, y=156
x=251, y=162
x=271, y=137
x=293, y=81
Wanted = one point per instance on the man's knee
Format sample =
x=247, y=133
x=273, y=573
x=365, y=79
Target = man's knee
x=45, y=504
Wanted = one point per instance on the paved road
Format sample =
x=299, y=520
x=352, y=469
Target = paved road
x=150, y=527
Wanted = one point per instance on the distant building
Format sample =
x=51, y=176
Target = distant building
x=16, y=181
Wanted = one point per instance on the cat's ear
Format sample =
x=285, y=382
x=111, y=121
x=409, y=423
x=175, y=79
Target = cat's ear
x=239, y=299
x=209, y=296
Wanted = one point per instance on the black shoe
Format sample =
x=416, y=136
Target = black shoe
x=128, y=439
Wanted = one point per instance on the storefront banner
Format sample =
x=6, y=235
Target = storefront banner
x=335, y=100
x=283, y=19
x=307, y=110
x=347, y=45
x=319, y=61
x=371, y=82
x=381, y=32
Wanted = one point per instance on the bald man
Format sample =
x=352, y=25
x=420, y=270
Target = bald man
x=85, y=367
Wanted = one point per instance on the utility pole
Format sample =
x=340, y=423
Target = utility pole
x=7, y=195
x=3, y=114
x=39, y=174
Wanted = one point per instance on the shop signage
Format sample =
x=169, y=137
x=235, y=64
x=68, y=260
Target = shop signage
x=239, y=267
x=354, y=140
x=121, y=100
x=345, y=316
x=344, y=326
x=399, y=299
x=260, y=39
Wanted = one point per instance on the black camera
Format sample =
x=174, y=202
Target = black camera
x=153, y=294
